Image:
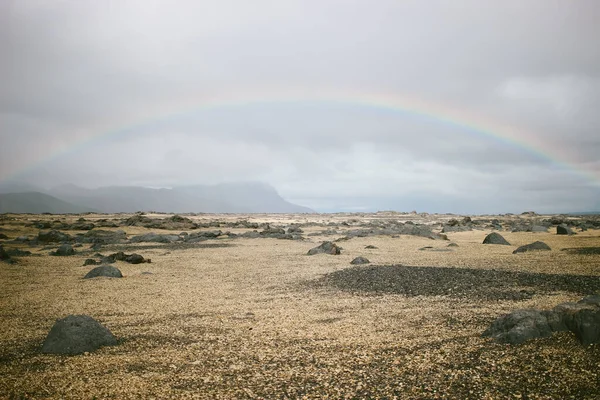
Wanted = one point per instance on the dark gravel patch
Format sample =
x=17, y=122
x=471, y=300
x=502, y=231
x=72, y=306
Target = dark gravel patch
x=583, y=250
x=457, y=282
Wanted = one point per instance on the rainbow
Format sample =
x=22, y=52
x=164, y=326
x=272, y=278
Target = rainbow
x=444, y=114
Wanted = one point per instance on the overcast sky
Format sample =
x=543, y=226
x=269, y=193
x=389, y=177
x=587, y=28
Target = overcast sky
x=115, y=92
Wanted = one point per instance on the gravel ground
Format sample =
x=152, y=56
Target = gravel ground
x=458, y=282
x=261, y=319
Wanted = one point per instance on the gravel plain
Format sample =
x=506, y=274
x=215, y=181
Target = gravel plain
x=258, y=318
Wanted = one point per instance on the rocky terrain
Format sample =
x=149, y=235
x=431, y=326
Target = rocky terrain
x=380, y=305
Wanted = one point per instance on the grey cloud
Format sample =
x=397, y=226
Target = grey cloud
x=73, y=70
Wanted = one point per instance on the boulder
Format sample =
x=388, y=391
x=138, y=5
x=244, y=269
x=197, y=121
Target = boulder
x=360, y=260
x=581, y=318
x=295, y=229
x=104, y=236
x=535, y=246
x=495, y=238
x=519, y=326
x=90, y=261
x=371, y=247
x=154, y=237
x=18, y=252
x=3, y=236
x=134, y=259
x=563, y=230
x=64, y=250
x=77, y=334
x=325, y=248
x=4, y=255
x=53, y=236
x=104, y=270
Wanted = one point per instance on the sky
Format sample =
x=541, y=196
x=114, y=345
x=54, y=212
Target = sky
x=456, y=106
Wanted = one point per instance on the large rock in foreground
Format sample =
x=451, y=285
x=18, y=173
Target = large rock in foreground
x=495, y=238
x=325, y=248
x=581, y=318
x=535, y=246
x=104, y=270
x=77, y=334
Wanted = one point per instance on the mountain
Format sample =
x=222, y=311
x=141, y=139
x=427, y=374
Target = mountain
x=37, y=203
x=245, y=197
x=223, y=198
x=18, y=187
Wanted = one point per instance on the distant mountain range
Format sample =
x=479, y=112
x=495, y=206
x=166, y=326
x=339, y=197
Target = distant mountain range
x=248, y=197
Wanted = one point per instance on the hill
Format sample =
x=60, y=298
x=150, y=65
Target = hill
x=37, y=203
x=249, y=197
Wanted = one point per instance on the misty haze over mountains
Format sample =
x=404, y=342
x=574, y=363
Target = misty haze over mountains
x=248, y=197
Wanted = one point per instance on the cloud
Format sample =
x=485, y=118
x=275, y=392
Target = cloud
x=75, y=72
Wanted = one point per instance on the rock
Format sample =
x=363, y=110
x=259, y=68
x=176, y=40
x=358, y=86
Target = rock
x=18, y=252
x=104, y=236
x=467, y=220
x=360, y=260
x=452, y=245
x=64, y=250
x=581, y=318
x=3, y=236
x=104, y=270
x=495, y=238
x=4, y=256
x=90, y=261
x=295, y=229
x=134, y=259
x=138, y=220
x=82, y=226
x=154, y=237
x=519, y=326
x=77, y=334
x=535, y=246
x=563, y=230
x=325, y=248
x=53, y=236
x=371, y=247
x=272, y=231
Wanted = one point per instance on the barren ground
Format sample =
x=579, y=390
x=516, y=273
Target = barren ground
x=261, y=319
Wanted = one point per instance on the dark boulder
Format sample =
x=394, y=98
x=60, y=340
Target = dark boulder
x=77, y=334
x=325, y=248
x=535, y=246
x=581, y=318
x=90, y=261
x=64, y=250
x=18, y=252
x=104, y=236
x=371, y=247
x=563, y=230
x=154, y=237
x=360, y=260
x=4, y=256
x=134, y=259
x=495, y=238
x=53, y=236
x=82, y=226
x=3, y=236
x=519, y=326
x=104, y=270
x=272, y=231
x=295, y=229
